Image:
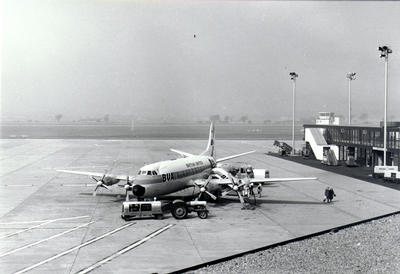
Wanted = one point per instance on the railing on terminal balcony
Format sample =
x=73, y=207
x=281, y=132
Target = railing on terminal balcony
x=360, y=136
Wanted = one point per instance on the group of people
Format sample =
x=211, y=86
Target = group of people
x=248, y=191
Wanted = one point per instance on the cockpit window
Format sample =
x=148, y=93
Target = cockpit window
x=149, y=172
x=144, y=172
x=154, y=172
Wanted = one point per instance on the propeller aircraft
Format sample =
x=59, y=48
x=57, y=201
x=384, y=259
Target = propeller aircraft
x=166, y=177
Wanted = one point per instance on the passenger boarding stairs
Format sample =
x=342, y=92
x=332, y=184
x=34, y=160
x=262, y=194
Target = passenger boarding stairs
x=318, y=144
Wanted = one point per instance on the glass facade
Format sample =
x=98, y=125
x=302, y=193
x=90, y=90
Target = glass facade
x=366, y=142
x=360, y=136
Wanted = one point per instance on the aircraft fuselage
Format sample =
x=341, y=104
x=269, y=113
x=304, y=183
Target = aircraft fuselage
x=166, y=177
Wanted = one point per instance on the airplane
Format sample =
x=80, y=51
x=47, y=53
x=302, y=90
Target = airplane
x=166, y=177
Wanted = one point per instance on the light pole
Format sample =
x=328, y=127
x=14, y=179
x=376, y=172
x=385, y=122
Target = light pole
x=351, y=76
x=385, y=50
x=293, y=76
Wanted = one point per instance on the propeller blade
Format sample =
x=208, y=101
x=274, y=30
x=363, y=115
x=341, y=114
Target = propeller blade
x=240, y=197
x=225, y=193
x=104, y=175
x=211, y=195
x=199, y=197
x=103, y=185
x=208, y=181
x=128, y=187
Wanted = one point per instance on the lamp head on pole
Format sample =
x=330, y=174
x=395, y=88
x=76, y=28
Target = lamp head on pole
x=351, y=76
x=293, y=75
x=385, y=51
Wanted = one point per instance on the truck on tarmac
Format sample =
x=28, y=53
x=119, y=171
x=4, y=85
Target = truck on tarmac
x=156, y=209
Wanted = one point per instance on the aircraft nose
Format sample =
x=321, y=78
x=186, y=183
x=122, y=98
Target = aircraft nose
x=138, y=190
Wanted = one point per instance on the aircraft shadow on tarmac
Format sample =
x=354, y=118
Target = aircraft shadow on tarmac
x=233, y=199
x=263, y=201
x=222, y=201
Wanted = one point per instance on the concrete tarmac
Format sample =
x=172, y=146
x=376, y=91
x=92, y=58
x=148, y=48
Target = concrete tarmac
x=50, y=222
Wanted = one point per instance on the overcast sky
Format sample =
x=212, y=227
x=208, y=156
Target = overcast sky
x=193, y=59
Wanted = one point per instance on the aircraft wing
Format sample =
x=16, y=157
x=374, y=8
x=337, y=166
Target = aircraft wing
x=97, y=174
x=185, y=154
x=202, y=182
x=234, y=156
x=272, y=180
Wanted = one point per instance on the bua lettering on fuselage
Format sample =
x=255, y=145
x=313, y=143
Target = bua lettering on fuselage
x=167, y=177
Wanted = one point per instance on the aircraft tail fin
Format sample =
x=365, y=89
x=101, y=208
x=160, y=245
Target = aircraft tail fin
x=211, y=140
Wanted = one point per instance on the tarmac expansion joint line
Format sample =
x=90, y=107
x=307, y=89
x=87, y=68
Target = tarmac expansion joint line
x=43, y=240
x=73, y=249
x=124, y=250
x=84, y=236
x=39, y=225
x=43, y=221
x=195, y=246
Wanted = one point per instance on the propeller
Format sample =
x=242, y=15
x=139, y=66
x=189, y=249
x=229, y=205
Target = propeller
x=236, y=186
x=203, y=189
x=100, y=183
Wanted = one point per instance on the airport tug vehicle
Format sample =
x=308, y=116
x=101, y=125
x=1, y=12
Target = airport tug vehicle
x=156, y=209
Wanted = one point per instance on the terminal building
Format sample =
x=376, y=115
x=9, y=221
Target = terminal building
x=354, y=145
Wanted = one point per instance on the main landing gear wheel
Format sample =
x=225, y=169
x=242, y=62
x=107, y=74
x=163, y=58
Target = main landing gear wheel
x=179, y=211
x=202, y=214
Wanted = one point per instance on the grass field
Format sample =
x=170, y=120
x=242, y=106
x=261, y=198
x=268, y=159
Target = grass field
x=149, y=131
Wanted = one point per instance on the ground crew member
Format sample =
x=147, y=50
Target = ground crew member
x=259, y=190
x=251, y=186
x=245, y=191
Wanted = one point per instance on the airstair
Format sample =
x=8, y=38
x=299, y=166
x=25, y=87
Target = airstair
x=318, y=144
x=284, y=149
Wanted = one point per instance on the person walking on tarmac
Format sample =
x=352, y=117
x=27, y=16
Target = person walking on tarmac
x=329, y=194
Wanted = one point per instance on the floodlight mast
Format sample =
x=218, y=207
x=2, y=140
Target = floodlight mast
x=293, y=76
x=351, y=76
x=385, y=51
